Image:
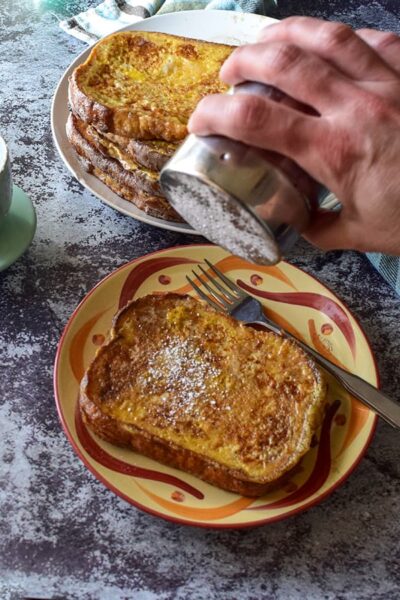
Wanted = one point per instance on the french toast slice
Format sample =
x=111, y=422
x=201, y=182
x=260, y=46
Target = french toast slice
x=151, y=154
x=145, y=85
x=129, y=185
x=156, y=206
x=200, y=391
x=106, y=156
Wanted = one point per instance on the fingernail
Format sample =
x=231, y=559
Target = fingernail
x=190, y=123
x=195, y=128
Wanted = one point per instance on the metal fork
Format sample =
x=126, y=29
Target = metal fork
x=226, y=297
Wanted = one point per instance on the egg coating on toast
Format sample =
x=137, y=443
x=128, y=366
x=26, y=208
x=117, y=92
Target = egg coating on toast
x=200, y=391
x=145, y=85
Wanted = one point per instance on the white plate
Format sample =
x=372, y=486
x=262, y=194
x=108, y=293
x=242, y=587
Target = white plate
x=214, y=26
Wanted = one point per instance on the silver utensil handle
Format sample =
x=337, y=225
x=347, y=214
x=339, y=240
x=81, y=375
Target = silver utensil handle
x=384, y=406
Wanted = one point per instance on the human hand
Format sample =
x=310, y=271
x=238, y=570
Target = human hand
x=351, y=145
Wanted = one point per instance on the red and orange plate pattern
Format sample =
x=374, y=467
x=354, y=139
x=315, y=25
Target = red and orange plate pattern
x=293, y=299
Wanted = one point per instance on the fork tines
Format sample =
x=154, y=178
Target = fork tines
x=221, y=300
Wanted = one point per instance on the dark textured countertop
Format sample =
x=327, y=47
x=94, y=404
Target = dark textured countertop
x=62, y=533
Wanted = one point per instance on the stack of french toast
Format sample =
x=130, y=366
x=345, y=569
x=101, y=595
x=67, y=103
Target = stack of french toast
x=130, y=103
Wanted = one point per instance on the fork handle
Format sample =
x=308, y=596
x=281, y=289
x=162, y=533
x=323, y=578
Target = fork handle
x=384, y=406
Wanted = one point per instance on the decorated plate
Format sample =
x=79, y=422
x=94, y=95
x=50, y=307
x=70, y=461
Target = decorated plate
x=294, y=300
x=223, y=26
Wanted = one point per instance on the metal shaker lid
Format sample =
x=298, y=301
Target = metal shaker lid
x=220, y=217
x=237, y=196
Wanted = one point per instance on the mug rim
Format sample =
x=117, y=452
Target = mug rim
x=3, y=146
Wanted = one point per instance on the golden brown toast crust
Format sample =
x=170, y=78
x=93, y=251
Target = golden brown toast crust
x=153, y=205
x=132, y=186
x=151, y=154
x=86, y=142
x=199, y=391
x=145, y=85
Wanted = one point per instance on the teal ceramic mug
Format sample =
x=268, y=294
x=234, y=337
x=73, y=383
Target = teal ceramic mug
x=5, y=181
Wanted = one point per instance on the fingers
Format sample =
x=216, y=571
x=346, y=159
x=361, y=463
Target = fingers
x=334, y=42
x=297, y=72
x=386, y=44
x=337, y=231
x=332, y=232
x=260, y=122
